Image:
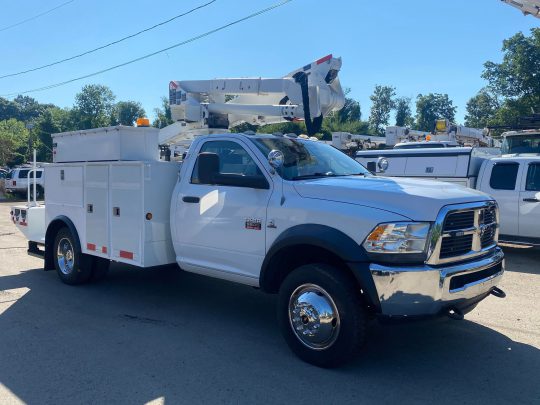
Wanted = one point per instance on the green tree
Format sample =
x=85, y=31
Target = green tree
x=29, y=109
x=516, y=79
x=127, y=112
x=22, y=108
x=404, y=117
x=517, y=76
x=163, y=114
x=52, y=121
x=8, y=109
x=351, y=110
x=383, y=104
x=431, y=107
x=94, y=107
x=14, y=140
x=244, y=127
x=481, y=109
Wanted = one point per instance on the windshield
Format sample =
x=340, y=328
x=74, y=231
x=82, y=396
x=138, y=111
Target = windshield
x=310, y=159
x=521, y=144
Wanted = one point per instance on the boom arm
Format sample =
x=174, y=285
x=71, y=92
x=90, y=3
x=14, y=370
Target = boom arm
x=531, y=7
x=307, y=94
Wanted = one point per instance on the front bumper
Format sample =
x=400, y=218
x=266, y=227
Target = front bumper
x=430, y=290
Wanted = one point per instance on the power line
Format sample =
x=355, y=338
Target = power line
x=35, y=17
x=109, y=44
x=187, y=41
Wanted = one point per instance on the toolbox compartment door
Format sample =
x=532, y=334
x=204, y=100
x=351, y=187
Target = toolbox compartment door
x=97, y=209
x=126, y=212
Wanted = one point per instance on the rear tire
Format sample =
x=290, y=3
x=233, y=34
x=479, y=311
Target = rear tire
x=72, y=266
x=321, y=315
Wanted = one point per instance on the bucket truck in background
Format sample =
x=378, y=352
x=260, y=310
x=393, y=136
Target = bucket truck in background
x=443, y=131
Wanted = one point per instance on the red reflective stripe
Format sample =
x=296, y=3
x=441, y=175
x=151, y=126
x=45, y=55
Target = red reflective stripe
x=90, y=246
x=326, y=58
x=126, y=255
x=104, y=249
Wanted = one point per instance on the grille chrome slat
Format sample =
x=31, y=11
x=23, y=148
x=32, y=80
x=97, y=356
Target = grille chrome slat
x=463, y=232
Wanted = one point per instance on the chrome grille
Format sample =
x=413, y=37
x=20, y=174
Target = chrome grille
x=459, y=220
x=456, y=246
x=464, y=231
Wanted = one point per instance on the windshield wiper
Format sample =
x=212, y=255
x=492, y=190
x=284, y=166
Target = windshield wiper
x=329, y=174
x=314, y=176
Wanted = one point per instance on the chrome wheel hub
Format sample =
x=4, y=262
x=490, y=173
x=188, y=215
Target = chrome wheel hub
x=65, y=256
x=314, y=317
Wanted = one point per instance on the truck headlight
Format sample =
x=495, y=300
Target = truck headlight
x=398, y=241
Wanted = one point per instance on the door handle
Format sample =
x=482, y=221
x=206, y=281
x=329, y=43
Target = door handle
x=533, y=200
x=191, y=200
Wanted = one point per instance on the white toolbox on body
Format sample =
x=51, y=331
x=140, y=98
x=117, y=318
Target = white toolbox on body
x=121, y=210
x=102, y=144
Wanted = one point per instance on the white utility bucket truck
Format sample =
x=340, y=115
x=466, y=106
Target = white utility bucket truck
x=288, y=215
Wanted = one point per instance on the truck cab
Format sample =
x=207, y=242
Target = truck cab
x=514, y=181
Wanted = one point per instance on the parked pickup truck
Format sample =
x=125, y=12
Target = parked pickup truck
x=293, y=217
x=17, y=181
x=512, y=180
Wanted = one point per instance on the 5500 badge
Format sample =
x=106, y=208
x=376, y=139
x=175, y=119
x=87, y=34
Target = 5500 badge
x=253, y=223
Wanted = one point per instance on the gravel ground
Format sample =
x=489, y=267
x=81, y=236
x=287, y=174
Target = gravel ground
x=164, y=336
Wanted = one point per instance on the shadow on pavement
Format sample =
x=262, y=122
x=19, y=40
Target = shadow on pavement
x=521, y=259
x=143, y=335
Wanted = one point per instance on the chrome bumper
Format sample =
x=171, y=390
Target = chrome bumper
x=428, y=290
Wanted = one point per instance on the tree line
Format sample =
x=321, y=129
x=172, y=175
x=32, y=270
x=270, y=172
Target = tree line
x=26, y=124
x=512, y=90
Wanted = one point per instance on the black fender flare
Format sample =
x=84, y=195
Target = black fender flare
x=329, y=239
x=59, y=222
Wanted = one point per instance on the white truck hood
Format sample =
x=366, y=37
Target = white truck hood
x=417, y=199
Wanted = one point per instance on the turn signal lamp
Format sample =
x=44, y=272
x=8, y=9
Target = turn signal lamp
x=428, y=138
x=143, y=122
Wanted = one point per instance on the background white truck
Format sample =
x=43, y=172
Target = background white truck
x=512, y=180
x=17, y=180
x=289, y=216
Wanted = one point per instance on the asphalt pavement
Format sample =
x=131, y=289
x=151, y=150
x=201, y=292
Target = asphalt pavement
x=166, y=336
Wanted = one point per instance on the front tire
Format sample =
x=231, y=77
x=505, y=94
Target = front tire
x=72, y=266
x=321, y=315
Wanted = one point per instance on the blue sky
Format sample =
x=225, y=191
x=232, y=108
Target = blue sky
x=418, y=46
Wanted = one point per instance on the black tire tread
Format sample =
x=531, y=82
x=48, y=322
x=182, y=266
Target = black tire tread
x=83, y=263
x=346, y=295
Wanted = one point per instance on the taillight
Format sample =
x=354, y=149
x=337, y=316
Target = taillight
x=14, y=183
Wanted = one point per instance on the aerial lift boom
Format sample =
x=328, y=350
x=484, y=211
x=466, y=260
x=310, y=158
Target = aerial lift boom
x=531, y=7
x=201, y=107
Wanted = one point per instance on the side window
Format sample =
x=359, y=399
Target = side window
x=504, y=176
x=23, y=174
x=234, y=161
x=533, y=177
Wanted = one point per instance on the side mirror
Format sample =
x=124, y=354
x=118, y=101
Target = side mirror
x=276, y=158
x=208, y=167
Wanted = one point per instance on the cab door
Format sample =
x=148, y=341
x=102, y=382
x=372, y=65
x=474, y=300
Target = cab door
x=529, y=201
x=501, y=182
x=220, y=227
